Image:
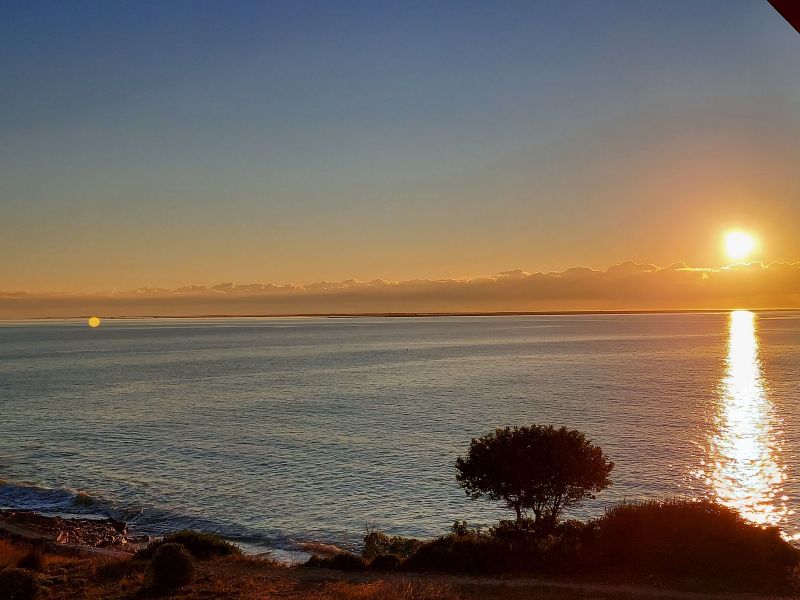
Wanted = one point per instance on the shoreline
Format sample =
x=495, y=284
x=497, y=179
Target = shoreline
x=103, y=534
x=94, y=572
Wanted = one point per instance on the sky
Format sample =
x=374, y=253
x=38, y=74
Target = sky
x=161, y=145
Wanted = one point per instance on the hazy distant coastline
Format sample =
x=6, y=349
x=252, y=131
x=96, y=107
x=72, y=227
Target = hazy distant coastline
x=367, y=315
x=620, y=289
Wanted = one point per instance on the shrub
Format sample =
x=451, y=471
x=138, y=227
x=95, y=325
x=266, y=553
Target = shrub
x=692, y=539
x=460, y=528
x=18, y=584
x=474, y=554
x=172, y=567
x=385, y=562
x=344, y=561
x=200, y=545
x=674, y=541
x=376, y=543
x=512, y=530
x=316, y=562
x=539, y=469
x=33, y=560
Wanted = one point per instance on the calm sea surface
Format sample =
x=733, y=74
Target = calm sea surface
x=278, y=431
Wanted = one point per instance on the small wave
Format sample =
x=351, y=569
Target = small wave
x=29, y=496
x=157, y=521
x=67, y=502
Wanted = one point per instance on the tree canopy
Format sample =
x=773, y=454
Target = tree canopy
x=539, y=469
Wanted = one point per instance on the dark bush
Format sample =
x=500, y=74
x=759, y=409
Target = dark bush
x=172, y=567
x=679, y=542
x=680, y=539
x=344, y=561
x=33, y=560
x=513, y=530
x=474, y=554
x=200, y=545
x=577, y=529
x=18, y=584
x=460, y=528
x=506, y=548
x=385, y=562
x=317, y=562
x=376, y=543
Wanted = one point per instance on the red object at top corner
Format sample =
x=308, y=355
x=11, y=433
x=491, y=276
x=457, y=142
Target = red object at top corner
x=789, y=10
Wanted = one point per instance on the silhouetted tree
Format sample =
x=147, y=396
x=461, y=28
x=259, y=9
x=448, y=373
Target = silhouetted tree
x=541, y=469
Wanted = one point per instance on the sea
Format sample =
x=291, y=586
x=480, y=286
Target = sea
x=277, y=432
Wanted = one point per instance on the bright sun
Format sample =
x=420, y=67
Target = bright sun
x=739, y=244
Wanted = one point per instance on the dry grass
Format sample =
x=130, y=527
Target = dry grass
x=384, y=590
x=244, y=578
x=10, y=554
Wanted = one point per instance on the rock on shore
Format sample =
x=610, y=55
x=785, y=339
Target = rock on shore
x=94, y=533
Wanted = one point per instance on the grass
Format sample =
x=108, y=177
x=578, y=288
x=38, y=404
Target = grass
x=385, y=590
x=117, y=569
x=24, y=555
x=10, y=554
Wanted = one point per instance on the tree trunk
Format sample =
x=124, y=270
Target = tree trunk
x=518, y=510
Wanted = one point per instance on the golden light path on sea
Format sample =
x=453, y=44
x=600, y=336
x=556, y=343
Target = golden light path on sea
x=745, y=470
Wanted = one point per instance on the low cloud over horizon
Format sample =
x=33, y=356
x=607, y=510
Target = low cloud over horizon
x=626, y=286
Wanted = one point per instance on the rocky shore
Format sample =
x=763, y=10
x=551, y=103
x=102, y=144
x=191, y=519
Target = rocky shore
x=100, y=535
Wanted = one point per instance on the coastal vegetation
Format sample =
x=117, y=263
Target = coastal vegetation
x=18, y=584
x=539, y=469
x=377, y=543
x=172, y=567
x=690, y=544
x=543, y=470
x=199, y=544
x=537, y=472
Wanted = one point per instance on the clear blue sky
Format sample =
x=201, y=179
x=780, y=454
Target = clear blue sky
x=170, y=143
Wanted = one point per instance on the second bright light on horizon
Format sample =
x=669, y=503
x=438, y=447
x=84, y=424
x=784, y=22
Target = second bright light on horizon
x=739, y=245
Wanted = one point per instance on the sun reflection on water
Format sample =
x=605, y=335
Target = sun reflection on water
x=745, y=470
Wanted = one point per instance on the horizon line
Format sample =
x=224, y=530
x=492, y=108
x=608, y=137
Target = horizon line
x=356, y=315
